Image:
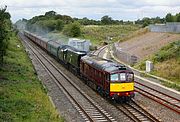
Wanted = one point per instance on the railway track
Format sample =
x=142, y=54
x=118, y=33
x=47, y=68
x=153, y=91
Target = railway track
x=98, y=51
x=88, y=109
x=160, y=97
x=136, y=112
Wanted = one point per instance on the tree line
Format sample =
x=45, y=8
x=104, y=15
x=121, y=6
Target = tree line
x=5, y=30
x=173, y=18
x=51, y=21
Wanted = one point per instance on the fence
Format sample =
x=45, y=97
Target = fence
x=123, y=56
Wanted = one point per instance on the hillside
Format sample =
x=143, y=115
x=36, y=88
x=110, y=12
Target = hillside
x=148, y=43
x=98, y=34
x=166, y=63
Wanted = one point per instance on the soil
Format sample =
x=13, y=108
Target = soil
x=147, y=44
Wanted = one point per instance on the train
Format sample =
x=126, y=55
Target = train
x=111, y=80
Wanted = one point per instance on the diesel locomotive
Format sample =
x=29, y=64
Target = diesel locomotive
x=112, y=80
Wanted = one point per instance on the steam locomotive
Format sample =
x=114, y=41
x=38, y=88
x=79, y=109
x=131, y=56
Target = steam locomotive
x=112, y=80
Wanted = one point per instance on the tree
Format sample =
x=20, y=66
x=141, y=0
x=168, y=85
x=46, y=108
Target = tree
x=169, y=17
x=106, y=20
x=59, y=25
x=178, y=17
x=5, y=25
x=50, y=13
x=72, y=29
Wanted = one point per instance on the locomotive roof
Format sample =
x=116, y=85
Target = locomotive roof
x=54, y=43
x=104, y=64
x=73, y=49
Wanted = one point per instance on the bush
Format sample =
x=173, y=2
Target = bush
x=170, y=51
x=72, y=30
x=59, y=25
x=5, y=26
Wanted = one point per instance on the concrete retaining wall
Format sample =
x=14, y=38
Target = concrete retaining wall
x=173, y=27
x=123, y=56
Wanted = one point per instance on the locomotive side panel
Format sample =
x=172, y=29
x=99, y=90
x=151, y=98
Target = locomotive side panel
x=53, y=48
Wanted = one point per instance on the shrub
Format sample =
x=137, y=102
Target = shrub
x=5, y=26
x=72, y=30
x=170, y=51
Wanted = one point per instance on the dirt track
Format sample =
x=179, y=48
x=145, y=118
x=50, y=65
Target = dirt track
x=148, y=43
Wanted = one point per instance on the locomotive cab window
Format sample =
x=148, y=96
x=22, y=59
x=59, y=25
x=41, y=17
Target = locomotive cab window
x=122, y=76
x=130, y=77
x=114, y=77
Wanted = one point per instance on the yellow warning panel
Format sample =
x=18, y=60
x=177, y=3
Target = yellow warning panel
x=121, y=87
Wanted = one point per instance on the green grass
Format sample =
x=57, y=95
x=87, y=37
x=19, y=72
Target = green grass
x=166, y=64
x=22, y=96
x=99, y=34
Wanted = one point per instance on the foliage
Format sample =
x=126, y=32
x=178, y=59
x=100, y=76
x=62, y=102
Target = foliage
x=166, y=63
x=146, y=21
x=49, y=22
x=5, y=26
x=50, y=13
x=170, y=51
x=169, y=18
x=99, y=34
x=72, y=29
x=178, y=17
x=22, y=96
x=106, y=20
x=86, y=21
x=173, y=18
x=59, y=25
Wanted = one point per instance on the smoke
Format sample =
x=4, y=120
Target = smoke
x=45, y=33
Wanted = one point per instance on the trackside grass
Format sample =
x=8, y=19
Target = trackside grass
x=100, y=34
x=22, y=96
x=166, y=64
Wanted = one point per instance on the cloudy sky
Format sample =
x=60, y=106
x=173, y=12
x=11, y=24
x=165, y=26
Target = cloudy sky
x=93, y=9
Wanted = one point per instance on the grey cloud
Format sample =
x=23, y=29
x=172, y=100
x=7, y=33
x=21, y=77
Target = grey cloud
x=95, y=9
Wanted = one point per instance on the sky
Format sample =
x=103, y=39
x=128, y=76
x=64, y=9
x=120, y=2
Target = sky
x=92, y=9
